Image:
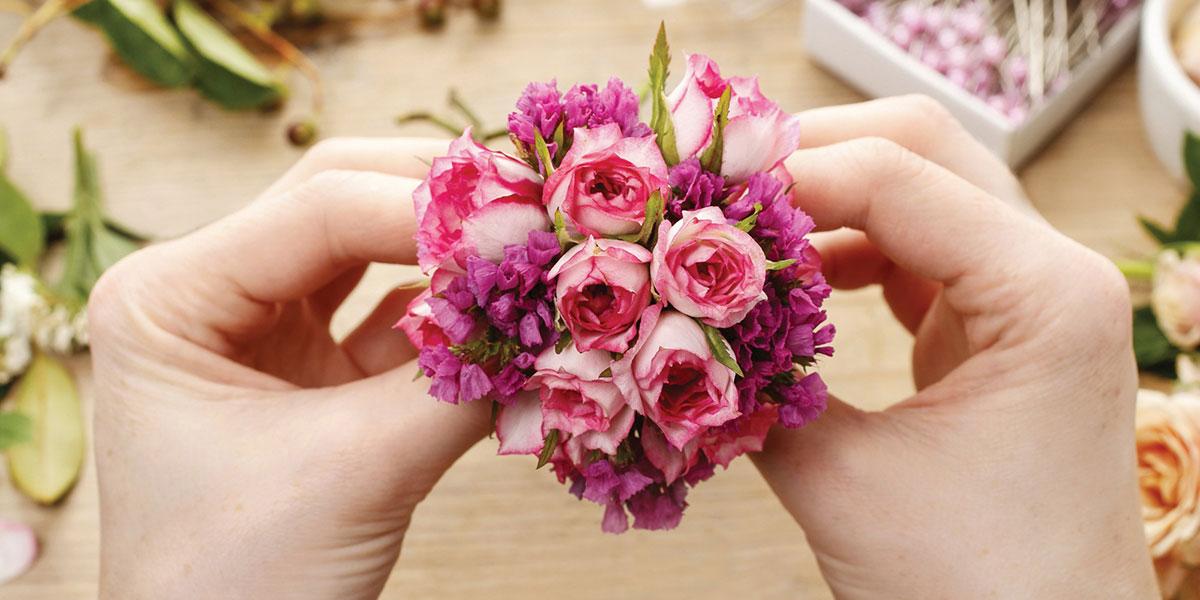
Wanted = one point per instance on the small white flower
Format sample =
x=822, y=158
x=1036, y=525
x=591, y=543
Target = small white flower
x=1176, y=297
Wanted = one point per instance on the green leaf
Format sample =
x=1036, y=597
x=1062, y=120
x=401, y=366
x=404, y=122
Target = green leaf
x=15, y=428
x=1156, y=231
x=1150, y=346
x=779, y=265
x=47, y=466
x=3, y=150
x=711, y=159
x=91, y=246
x=226, y=73
x=1191, y=158
x=21, y=236
x=720, y=348
x=1187, y=225
x=654, y=215
x=548, y=448
x=660, y=115
x=751, y=219
x=543, y=153
x=141, y=35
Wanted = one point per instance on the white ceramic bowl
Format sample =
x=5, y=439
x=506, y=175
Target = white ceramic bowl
x=1170, y=99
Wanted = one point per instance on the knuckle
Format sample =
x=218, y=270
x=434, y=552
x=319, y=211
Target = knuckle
x=877, y=157
x=1099, y=302
x=111, y=300
x=929, y=112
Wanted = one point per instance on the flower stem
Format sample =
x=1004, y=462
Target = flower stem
x=427, y=117
x=34, y=23
x=457, y=103
x=1138, y=270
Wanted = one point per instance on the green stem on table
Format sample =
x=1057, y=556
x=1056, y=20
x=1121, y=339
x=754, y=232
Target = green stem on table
x=494, y=135
x=1138, y=270
x=456, y=102
x=34, y=23
x=428, y=117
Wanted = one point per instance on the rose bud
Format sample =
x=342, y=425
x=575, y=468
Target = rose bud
x=603, y=287
x=603, y=183
x=419, y=325
x=672, y=377
x=758, y=135
x=1168, y=454
x=579, y=401
x=475, y=202
x=1175, y=298
x=707, y=268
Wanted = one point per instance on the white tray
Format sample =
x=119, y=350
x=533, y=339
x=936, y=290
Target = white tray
x=846, y=45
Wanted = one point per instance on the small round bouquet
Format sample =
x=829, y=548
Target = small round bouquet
x=638, y=301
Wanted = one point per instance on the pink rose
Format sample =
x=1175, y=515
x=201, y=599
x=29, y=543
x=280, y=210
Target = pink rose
x=707, y=268
x=579, y=401
x=673, y=462
x=724, y=444
x=603, y=183
x=419, y=325
x=672, y=377
x=603, y=287
x=475, y=201
x=758, y=135
x=569, y=393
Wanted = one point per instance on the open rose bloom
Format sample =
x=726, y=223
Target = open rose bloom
x=640, y=304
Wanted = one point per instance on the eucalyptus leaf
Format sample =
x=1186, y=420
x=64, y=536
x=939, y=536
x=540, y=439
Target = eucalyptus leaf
x=720, y=348
x=21, y=236
x=226, y=73
x=141, y=35
x=660, y=115
x=47, y=466
x=1150, y=347
x=15, y=428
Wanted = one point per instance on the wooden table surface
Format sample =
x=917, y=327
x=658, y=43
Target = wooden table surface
x=494, y=527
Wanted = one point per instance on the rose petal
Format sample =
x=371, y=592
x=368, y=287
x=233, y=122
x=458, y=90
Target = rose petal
x=18, y=549
x=519, y=427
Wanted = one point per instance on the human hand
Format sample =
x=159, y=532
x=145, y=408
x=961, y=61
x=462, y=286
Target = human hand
x=1011, y=472
x=242, y=451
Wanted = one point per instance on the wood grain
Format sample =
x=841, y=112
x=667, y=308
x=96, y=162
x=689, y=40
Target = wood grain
x=493, y=527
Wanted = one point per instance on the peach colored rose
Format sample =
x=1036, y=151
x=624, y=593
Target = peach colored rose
x=1176, y=297
x=1168, y=453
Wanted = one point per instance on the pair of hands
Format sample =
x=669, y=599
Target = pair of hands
x=245, y=453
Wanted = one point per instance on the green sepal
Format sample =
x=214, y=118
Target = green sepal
x=1150, y=346
x=548, y=448
x=779, y=265
x=543, y=154
x=226, y=72
x=751, y=219
x=565, y=239
x=660, y=115
x=720, y=348
x=711, y=159
x=653, y=216
x=564, y=340
x=140, y=34
x=560, y=141
x=1187, y=224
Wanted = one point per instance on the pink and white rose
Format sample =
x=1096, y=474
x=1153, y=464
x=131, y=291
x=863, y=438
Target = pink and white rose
x=758, y=136
x=602, y=288
x=1175, y=298
x=475, y=202
x=722, y=446
x=568, y=392
x=672, y=377
x=419, y=325
x=604, y=180
x=706, y=268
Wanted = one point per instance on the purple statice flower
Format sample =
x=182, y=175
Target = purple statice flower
x=660, y=507
x=539, y=109
x=692, y=188
x=509, y=305
x=589, y=106
x=787, y=327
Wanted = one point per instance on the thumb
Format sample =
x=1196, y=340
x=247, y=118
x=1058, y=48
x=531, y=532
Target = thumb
x=801, y=464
